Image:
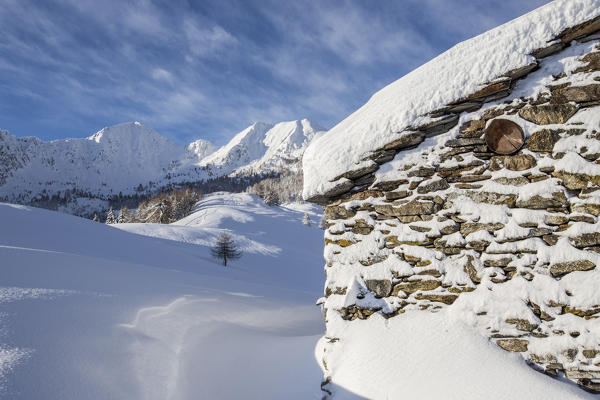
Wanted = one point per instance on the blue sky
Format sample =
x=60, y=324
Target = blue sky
x=207, y=69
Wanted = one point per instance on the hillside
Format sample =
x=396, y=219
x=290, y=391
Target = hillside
x=91, y=311
x=88, y=310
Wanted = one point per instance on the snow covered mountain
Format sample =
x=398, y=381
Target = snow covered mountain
x=263, y=148
x=132, y=158
x=114, y=159
x=201, y=148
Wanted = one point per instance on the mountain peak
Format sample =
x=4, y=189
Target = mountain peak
x=201, y=148
x=125, y=130
x=264, y=147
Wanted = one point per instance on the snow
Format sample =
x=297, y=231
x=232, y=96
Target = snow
x=201, y=148
x=251, y=224
x=141, y=311
x=91, y=311
x=455, y=74
x=573, y=146
x=114, y=159
x=117, y=159
x=422, y=356
x=263, y=147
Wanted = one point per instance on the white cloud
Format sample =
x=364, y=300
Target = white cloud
x=205, y=41
x=160, y=74
x=179, y=69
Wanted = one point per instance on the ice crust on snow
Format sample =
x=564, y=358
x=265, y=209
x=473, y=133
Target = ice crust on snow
x=455, y=74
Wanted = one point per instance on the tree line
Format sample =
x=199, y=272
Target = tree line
x=163, y=208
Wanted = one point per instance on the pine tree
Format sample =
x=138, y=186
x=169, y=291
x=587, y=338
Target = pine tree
x=165, y=211
x=110, y=217
x=225, y=249
x=306, y=219
x=96, y=219
x=322, y=222
x=124, y=216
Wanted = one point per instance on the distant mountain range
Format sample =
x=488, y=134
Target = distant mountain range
x=131, y=159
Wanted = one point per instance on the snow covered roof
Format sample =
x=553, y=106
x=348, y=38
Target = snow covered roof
x=463, y=72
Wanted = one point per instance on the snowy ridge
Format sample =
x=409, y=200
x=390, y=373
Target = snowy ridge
x=263, y=148
x=120, y=158
x=114, y=159
x=464, y=69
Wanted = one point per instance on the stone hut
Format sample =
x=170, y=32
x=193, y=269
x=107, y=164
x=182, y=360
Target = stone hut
x=423, y=216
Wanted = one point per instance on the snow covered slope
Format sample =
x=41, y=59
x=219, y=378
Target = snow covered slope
x=90, y=311
x=461, y=71
x=263, y=233
x=263, y=148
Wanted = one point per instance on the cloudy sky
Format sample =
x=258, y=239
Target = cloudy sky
x=207, y=69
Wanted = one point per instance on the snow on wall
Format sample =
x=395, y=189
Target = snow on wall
x=462, y=71
x=507, y=245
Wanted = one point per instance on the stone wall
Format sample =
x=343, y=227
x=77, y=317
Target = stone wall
x=443, y=218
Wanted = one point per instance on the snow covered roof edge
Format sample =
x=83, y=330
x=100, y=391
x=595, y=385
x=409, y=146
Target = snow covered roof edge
x=471, y=71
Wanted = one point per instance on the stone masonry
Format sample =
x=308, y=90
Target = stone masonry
x=453, y=215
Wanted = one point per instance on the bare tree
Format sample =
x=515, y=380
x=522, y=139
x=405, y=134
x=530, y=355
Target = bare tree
x=225, y=249
x=165, y=208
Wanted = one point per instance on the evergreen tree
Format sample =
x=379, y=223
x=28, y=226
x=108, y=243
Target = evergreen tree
x=165, y=211
x=225, y=249
x=96, y=219
x=124, y=216
x=110, y=217
x=322, y=222
x=306, y=219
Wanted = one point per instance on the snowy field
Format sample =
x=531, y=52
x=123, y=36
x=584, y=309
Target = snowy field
x=88, y=311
